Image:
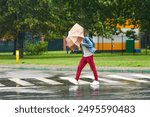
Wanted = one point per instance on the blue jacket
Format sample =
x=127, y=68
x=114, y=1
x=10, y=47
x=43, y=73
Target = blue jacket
x=89, y=44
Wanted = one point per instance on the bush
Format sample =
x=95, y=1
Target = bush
x=36, y=49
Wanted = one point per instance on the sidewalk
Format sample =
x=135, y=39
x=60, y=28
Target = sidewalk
x=73, y=68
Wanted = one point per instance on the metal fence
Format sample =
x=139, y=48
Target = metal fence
x=8, y=46
x=57, y=44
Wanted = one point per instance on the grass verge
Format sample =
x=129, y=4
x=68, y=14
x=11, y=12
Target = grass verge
x=63, y=59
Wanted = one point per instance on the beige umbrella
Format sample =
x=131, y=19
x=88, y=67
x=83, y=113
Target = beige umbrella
x=75, y=36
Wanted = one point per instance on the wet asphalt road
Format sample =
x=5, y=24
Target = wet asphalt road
x=54, y=85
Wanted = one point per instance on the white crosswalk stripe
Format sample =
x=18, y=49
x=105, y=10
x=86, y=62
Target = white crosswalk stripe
x=113, y=79
x=102, y=79
x=21, y=82
x=70, y=80
x=1, y=85
x=126, y=78
x=141, y=76
x=49, y=81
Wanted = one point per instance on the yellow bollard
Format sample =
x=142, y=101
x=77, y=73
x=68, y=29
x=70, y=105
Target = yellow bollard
x=17, y=56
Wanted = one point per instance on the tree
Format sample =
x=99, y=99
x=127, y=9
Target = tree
x=142, y=11
x=53, y=18
x=19, y=16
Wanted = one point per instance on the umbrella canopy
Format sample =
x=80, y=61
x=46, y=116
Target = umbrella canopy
x=75, y=36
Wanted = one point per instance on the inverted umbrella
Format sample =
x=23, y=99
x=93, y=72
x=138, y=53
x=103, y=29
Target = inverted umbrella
x=75, y=36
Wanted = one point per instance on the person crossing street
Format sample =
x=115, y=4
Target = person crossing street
x=87, y=46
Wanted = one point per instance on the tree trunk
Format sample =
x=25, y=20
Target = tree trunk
x=15, y=42
x=19, y=43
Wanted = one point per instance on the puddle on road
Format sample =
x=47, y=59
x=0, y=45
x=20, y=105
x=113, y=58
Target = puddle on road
x=81, y=92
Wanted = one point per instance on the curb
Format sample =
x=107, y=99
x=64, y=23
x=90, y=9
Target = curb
x=73, y=68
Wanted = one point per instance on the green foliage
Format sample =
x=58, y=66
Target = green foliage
x=36, y=49
x=53, y=18
x=131, y=34
x=26, y=15
x=142, y=11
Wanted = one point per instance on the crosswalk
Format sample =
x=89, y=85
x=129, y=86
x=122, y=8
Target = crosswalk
x=114, y=79
x=49, y=81
x=21, y=82
x=126, y=78
x=103, y=79
x=141, y=76
x=1, y=85
x=70, y=79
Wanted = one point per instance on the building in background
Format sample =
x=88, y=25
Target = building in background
x=118, y=42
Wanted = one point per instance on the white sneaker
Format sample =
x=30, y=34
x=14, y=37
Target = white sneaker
x=95, y=82
x=74, y=81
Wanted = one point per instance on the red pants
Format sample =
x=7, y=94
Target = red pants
x=83, y=62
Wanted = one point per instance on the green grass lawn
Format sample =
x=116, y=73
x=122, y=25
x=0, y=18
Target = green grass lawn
x=61, y=58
